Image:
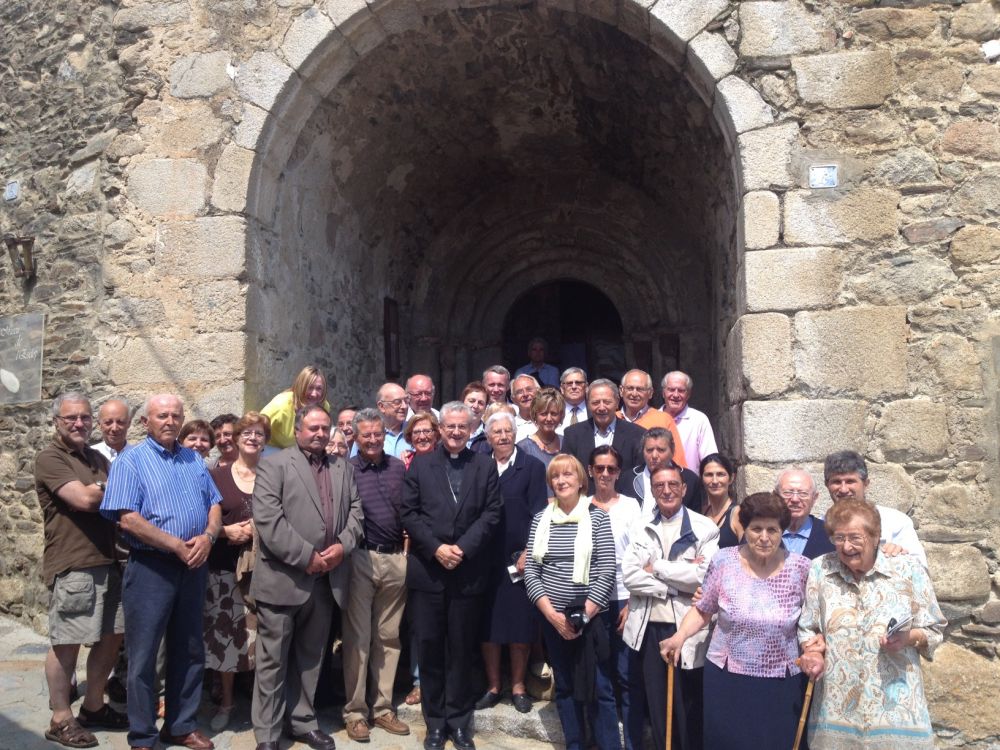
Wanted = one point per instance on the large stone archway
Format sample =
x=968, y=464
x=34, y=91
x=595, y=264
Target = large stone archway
x=451, y=158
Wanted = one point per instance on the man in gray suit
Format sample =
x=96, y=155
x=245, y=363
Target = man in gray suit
x=307, y=513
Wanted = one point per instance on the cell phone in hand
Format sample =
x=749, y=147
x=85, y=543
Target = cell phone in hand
x=898, y=626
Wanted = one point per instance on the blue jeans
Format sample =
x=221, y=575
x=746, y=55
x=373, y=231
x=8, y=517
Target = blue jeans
x=602, y=712
x=163, y=600
x=626, y=677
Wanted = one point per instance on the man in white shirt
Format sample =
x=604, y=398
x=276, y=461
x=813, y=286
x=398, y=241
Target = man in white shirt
x=522, y=392
x=694, y=427
x=420, y=390
x=573, y=385
x=845, y=474
x=113, y=419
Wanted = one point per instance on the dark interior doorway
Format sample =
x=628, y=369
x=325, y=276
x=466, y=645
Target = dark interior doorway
x=580, y=324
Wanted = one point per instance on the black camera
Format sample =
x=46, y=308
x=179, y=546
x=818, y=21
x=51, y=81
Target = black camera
x=576, y=614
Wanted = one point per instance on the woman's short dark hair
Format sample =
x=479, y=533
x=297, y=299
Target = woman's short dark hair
x=718, y=458
x=197, y=425
x=764, y=505
x=605, y=450
x=476, y=386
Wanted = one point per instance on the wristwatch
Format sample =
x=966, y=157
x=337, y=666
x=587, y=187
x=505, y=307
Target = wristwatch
x=211, y=537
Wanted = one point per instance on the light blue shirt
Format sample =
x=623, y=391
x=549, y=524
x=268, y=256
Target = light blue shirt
x=605, y=438
x=170, y=489
x=795, y=541
x=395, y=443
x=547, y=375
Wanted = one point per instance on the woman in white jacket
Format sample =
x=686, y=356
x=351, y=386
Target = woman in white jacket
x=664, y=564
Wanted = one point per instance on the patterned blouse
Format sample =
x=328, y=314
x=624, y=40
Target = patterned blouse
x=869, y=698
x=755, y=633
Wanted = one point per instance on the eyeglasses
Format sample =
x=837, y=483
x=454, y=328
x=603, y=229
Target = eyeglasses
x=605, y=469
x=74, y=418
x=420, y=394
x=635, y=389
x=396, y=402
x=247, y=434
x=789, y=494
x=423, y=433
x=658, y=486
x=856, y=540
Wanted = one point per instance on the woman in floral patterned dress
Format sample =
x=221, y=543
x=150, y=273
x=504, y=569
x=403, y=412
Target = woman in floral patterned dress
x=871, y=695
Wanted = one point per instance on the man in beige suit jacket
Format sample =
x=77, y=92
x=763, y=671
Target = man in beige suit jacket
x=307, y=513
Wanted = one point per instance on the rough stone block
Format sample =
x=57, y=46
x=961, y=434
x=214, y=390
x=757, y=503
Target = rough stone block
x=739, y=104
x=261, y=79
x=845, y=80
x=251, y=127
x=782, y=29
x=189, y=127
x=209, y=247
x=766, y=156
x=761, y=217
x=685, y=18
x=232, y=178
x=963, y=688
x=876, y=337
x=914, y=430
x=975, y=244
x=200, y=75
x=210, y=357
x=985, y=79
x=835, y=218
x=979, y=21
x=895, y=23
x=890, y=485
x=797, y=279
x=907, y=166
x=978, y=195
x=972, y=138
x=149, y=15
x=168, y=187
x=954, y=360
x=763, y=345
x=959, y=572
x=710, y=58
x=305, y=34
x=807, y=430
x=953, y=506
x=355, y=20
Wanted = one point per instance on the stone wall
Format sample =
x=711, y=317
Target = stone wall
x=222, y=190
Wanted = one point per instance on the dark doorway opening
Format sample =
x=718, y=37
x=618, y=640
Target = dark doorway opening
x=579, y=322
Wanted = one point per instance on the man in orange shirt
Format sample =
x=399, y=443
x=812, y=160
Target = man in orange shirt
x=636, y=390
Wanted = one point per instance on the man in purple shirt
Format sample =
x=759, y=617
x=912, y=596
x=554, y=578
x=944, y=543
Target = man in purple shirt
x=378, y=584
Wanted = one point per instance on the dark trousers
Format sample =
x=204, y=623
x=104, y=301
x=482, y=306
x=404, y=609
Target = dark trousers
x=626, y=678
x=447, y=632
x=603, y=715
x=291, y=643
x=688, y=686
x=163, y=600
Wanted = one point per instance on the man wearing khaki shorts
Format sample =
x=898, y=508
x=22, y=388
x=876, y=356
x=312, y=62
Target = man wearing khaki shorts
x=79, y=567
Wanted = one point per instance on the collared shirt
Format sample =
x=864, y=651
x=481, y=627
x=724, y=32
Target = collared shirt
x=606, y=437
x=394, y=444
x=623, y=414
x=319, y=465
x=169, y=488
x=502, y=466
x=795, y=541
x=107, y=451
x=581, y=414
x=547, y=374
x=696, y=435
x=380, y=485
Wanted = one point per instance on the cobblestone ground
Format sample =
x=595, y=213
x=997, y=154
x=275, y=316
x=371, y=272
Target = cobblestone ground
x=24, y=712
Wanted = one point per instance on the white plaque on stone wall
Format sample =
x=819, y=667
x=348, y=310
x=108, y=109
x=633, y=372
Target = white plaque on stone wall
x=21, y=341
x=823, y=176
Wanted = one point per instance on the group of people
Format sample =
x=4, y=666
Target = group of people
x=538, y=513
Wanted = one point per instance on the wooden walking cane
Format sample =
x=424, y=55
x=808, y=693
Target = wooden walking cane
x=670, y=703
x=805, y=711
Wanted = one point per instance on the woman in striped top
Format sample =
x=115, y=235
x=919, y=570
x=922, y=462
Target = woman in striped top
x=569, y=575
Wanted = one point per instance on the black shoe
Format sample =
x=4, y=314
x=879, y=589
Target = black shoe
x=489, y=700
x=116, y=690
x=462, y=739
x=317, y=739
x=434, y=740
x=522, y=702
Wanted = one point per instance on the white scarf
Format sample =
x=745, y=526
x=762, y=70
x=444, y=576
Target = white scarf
x=583, y=544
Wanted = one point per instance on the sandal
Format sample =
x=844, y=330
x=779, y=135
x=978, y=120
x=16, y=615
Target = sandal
x=413, y=697
x=103, y=718
x=68, y=732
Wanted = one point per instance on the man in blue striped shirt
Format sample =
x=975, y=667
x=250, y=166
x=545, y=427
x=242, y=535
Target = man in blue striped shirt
x=168, y=508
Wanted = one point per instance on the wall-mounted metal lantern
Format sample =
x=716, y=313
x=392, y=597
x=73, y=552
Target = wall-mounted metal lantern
x=20, y=251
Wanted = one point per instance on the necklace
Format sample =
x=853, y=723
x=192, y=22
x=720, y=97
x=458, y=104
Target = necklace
x=244, y=473
x=545, y=444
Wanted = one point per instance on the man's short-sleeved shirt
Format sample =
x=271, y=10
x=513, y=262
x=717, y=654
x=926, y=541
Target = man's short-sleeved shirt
x=170, y=489
x=74, y=539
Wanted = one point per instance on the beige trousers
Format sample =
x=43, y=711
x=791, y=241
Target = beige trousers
x=371, y=632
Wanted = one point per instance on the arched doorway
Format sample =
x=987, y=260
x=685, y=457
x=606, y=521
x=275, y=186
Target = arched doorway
x=579, y=323
x=469, y=156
